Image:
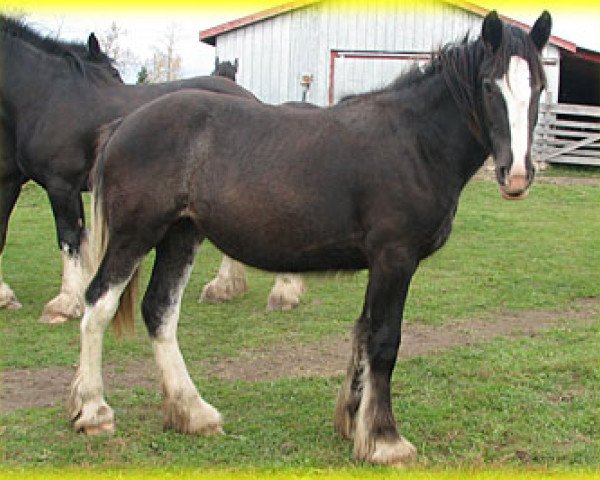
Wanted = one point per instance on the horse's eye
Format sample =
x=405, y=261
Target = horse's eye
x=487, y=85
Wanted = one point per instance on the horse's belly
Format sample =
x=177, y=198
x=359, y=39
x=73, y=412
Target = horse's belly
x=287, y=248
x=278, y=260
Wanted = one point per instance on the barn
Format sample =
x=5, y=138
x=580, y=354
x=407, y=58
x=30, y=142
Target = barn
x=321, y=50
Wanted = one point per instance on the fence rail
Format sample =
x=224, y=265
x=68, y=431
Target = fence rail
x=568, y=134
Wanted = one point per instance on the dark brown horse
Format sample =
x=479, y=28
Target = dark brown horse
x=53, y=98
x=372, y=182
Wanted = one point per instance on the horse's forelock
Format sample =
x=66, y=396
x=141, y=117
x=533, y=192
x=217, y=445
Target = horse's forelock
x=516, y=41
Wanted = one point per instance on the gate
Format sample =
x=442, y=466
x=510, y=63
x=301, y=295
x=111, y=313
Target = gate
x=567, y=134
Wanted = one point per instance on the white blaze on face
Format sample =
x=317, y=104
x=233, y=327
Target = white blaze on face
x=516, y=89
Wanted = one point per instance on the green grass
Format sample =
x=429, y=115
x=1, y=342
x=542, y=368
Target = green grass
x=558, y=170
x=508, y=403
x=533, y=401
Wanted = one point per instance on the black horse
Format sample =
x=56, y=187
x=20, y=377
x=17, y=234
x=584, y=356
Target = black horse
x=372, y=182
x=225, y=69
x=54, y=96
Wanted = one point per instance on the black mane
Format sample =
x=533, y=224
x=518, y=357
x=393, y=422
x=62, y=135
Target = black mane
x=18, y=29
x=452, y=57
x=462, y=65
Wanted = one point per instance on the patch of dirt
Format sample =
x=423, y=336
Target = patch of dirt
x=45, y=387
x=570, y=181
x=329, y=356
x=48, y=387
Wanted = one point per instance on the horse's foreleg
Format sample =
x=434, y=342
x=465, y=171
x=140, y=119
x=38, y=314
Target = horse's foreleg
x=68, y=212
x=364, y=407
x=351, y=392
x=286, y=292
x=184, y=409
x=229, y=283
x=9, y=192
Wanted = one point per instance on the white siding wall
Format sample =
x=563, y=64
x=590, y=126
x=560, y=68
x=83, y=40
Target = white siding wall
x=551, y=57
x=274, y=53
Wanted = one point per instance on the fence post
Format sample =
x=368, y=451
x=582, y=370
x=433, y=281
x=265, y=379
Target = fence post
x=545, y=121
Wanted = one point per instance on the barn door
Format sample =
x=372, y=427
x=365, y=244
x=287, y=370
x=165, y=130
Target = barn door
x=355, y=71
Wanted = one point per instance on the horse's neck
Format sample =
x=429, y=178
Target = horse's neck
x=447, y=142
x=28, y=74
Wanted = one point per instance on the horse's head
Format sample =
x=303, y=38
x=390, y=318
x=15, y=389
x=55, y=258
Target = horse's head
x=511, y=81
x=104, y=69
x=225, y=69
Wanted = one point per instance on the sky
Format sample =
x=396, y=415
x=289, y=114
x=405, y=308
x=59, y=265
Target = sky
x=142, y=33
x=145, y=30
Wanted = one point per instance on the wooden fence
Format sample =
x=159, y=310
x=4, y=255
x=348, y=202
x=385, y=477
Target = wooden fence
x=567, y=134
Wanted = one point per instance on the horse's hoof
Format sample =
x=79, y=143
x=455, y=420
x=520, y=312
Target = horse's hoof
x=282, y=303
x=214, y=295
x=286, y=292
x=8, y=299
x=53, y=318
x=12, y=304
x=398, y=454
x=62, y=308
x=211, y=430
x=94, y=418
x=104, y=429
x=192, y=415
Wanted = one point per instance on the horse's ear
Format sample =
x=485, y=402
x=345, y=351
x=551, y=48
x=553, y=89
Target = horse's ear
x=216, y=62
x=94, y=46
x=540, y=32
x=236, y=63
x=491, y=31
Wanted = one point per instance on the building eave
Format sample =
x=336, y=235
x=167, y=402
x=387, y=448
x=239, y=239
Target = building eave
x=209, y=35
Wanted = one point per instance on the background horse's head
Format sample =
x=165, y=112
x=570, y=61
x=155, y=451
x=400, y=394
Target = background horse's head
x=86, y=60
x=100, y=61
x=225, y=69
x=511, y=79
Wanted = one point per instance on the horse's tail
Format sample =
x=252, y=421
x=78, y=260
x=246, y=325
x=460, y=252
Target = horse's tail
x=98, y=239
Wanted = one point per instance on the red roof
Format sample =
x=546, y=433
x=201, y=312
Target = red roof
x=209, y=35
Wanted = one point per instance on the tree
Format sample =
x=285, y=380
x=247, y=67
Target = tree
x=166, y=62
x=111, y=44
x=143, y=76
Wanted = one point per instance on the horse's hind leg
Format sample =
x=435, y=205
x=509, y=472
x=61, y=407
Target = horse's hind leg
x=184, y=409
x=87, y=408
x=8, y=299
x=364, y=409
x=9, y=192
x=229, y=283
x=286, y=292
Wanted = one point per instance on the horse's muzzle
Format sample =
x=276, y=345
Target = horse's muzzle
x=515, y=187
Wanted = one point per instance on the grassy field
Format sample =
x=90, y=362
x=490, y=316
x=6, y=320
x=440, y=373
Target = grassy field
x=510, y=402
